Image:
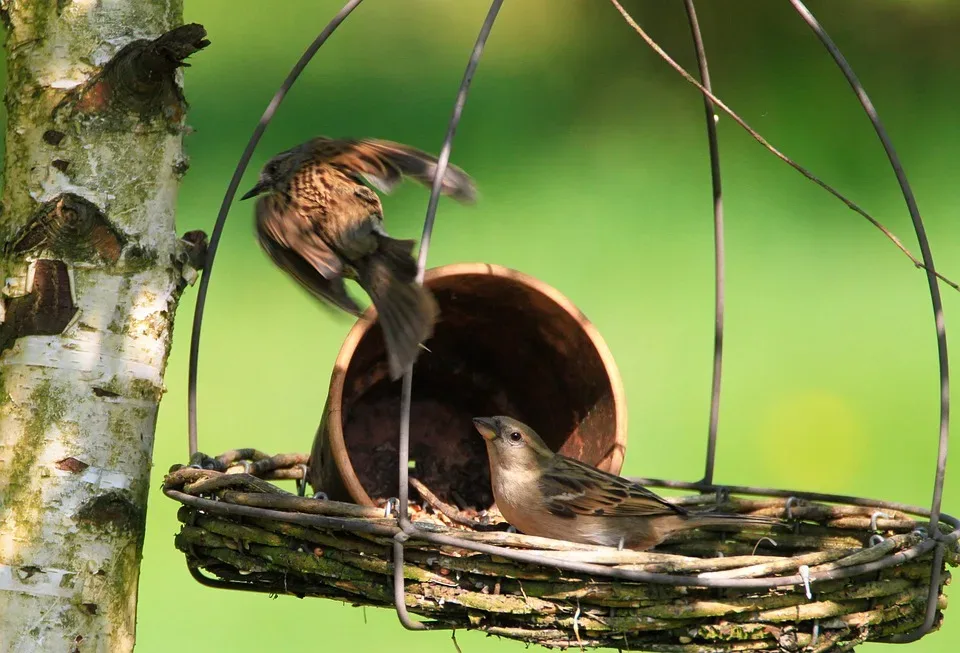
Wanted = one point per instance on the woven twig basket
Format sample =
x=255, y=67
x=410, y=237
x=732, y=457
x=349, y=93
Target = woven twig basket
x=242, y=532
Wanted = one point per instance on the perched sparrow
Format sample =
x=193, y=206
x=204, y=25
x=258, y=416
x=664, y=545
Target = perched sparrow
x=546, y=494
x=318, y=221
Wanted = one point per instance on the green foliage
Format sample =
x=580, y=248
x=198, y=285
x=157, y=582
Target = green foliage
x=591, y=160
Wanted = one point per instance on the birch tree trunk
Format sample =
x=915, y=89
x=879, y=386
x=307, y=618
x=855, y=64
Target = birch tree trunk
x=93, y=271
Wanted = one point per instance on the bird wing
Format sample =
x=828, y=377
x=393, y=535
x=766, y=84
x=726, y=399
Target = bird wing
x=383, y=164
x=572, y=488
x=287, y=229
x=332, y=290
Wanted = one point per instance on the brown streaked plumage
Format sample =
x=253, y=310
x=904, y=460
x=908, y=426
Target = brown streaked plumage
x=318, y=221
x=543, y=493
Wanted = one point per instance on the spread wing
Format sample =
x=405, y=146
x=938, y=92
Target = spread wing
x=572, y=488
x=278, y=227
x=333, y=290
x=384, y=164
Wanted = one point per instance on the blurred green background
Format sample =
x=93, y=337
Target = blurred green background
x=591, y=159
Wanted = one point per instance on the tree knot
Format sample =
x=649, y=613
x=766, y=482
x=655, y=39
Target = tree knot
x=71, y=228
x=140, y=77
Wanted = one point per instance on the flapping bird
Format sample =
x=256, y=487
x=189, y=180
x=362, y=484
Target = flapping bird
x=320, y=222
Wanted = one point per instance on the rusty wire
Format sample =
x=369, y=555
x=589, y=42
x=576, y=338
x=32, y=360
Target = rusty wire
x=939, y=323
x=405, y=529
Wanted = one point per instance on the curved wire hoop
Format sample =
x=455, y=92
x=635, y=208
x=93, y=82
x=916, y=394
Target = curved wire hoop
x=406, y=391
x=936, y=540
x=935, y=299
x=225, y=208
x=718, y=241
x=939, y=323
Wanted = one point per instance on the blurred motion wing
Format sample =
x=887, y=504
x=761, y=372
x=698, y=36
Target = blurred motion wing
x=383, y=164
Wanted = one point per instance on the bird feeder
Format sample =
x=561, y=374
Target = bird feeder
x=850, y=569
x=506, y=344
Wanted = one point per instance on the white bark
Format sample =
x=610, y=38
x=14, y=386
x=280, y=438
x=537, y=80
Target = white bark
x=78, y=409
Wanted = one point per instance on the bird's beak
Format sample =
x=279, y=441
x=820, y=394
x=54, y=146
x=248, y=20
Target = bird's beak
x=253, y=192
x=486, y=426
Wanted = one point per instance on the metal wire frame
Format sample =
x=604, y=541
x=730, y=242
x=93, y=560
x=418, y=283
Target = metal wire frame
x=719, y=252
x=939, y=323
x=225, y=208
x=406, y=391
x=935, y=299
x=406, y=529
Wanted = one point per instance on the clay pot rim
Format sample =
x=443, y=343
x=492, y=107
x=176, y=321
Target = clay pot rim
x=366, y=321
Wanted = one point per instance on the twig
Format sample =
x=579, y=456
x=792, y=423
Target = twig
x=777, y=153
x=461, y=503
x=446, y=509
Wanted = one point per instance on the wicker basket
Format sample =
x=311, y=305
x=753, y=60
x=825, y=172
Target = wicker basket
x=873, y=566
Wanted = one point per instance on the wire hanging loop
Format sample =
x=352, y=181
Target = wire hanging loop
x=718, y=242
x=403, y=450
x=925, y=252
x=935, y=299
x=242, y=164
x=926, y=263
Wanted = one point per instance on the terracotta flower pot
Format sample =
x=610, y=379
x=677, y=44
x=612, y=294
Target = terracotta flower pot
x=506, y=344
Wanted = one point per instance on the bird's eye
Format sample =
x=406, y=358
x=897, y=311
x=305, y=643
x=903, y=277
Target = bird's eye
x=515, y=437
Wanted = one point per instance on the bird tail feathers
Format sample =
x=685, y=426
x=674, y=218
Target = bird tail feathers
x=398, y=257
x=406, y=310
x=733, y=520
